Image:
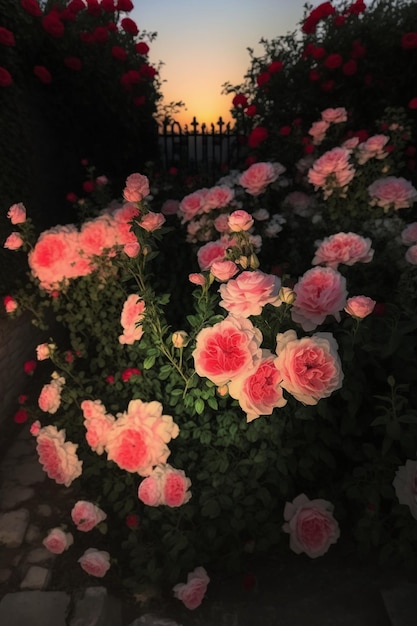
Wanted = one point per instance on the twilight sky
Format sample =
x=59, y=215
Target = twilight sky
x=204, y=44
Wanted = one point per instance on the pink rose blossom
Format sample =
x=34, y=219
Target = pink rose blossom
x=97, y=424
x=360, y=306
x=212, y=251
x=95, y=562
x=318, y=131
x=392, y=193
x=411, y=255
x=320, y=292
x=10, y=304
x=221, y=223
x=192, y=205
x=14, y=241
x=132, y=249
x=372, y=148
x=258, y=176
x=131, y=319
x=193, y=591
x=35, y=428
x=218, y=197
x=170, y=207
x=122, y=223
x=332, y=170
x=102, y=180
x=259, y=392
x=311, y=526
x=346, y=248
x=240, y=220
x=223, y=270
x=248, y=293
x=166, y=485
x=17, y=213
x=310, y=367
x=409, y=234
x=57, y=456
x=137, y=188
x=334, y=116
x=50, y=396
x=57, y=541
x=197, y=279
x=44, y=351
x=405, y=485
x=86, y=515
x=138, y=439
x=152, y=221
x=96, y=236
x=227, y=350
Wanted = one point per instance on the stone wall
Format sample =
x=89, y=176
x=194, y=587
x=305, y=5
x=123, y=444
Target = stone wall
x=18, y=340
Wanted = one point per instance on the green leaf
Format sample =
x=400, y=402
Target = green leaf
x=148, y=362
x=199, y=406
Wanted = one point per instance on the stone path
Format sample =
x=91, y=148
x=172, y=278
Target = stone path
x=331, y=591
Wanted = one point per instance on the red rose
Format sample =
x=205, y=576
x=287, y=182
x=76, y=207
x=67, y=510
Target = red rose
x=328, y=85
x=75, y=6
x=32, y=7
x=119, y=53
x=284, y=131
x=318, y=52
x=100, y=34
x=275, y=66
x=71, y=197
x=53, y=25
x=43, y=74
x=263, y=78
x=409, y=41
x=240, y=100
x=147, y=71
x=142, y=47
x=139, y=101
x=350, y=68
x=412, y=104
x=132, y=521
x=29, y=367
x=251, y=110
x=129, y=26
x=93, y=7
x=6, y=37
x=356, y=8
x=88, y=186
x=21, y=416
x=358, y=50
x=314, y=75
x=129, y=372
x=333, y=61
x=257, y=136
x=112, y=27
x=319, y=13
x=125, y=5
x=130, y=78
x=5, y=77
x=108, y=5
x=86, y=37
x=339, y=20
x=110, y=379
x=73, y=63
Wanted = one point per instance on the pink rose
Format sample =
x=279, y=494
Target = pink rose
x=10, y=304
x=175, y=487
x=411, y=255
x=359, y=306
x=212, y=251
x=17, y=213
x=258, y=176
x=392, y=192
x=197, y=279
x=95, y=562
x=132, y=249
x=50, y=396
x=149, y=491
x=57, y=456
x=223, y=270
x=137, y=188
x=14, y=241
x=405, y=485
x=218, y=197
x=311, y=526
x=57, y=541
x=152, y=221
x=318, y=131
x=227, y=349
x=320, y=292
x=332, y=170
x=259, y=392
x=334, y=116
x=310, y=367
x=193, y=591
x=97, y=424
x=248, y=293
x=409, y=234
x=346, y=248
x=44, y=351
x=138, y=439
x=131, y=319
x=221, y=223
x=86, y=515
x=192, y=205
x=123, y=218
x=35, y=428
x=240, y=220
x=96, y=236
x=372, y=148
x=170, y=207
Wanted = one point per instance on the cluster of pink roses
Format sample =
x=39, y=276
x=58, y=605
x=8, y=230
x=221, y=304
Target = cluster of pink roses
x=58, y=457
x=409, y=238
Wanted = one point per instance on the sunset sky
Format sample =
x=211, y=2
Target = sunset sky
x=204, y=44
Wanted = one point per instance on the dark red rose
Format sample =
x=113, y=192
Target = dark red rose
x=93, y=7
x=350, y=68
x=142, y=47
x=251, y=110
x=75, y=6
x=328, y=85
x=333, y=61
x=43, y=74
x=125, y=5
x=112, y=27
x=318, y=52
x=100, y=34
x=88, y=186
x=108, y=5
x=53, y=25
x=21, y=416
x=119, y=53
x=409, y=41
x=263, y=78
x=132, y=521
x=284, y=131
x=129, y=372
x=356, y=8
x=139, y=101
x=240, y=100
x=73, y=63
x=147, y=71
x=257, y=136
x=412, y=104
x=339, y=20
x=275, y=66
x=319, y=13
x=5, y=77
x=71, y=197
x=314, y=75
x=129, y=26
x=6, y=37
x=130, y=78
x=32, y=7
x=29, y=367
x=358, y=50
